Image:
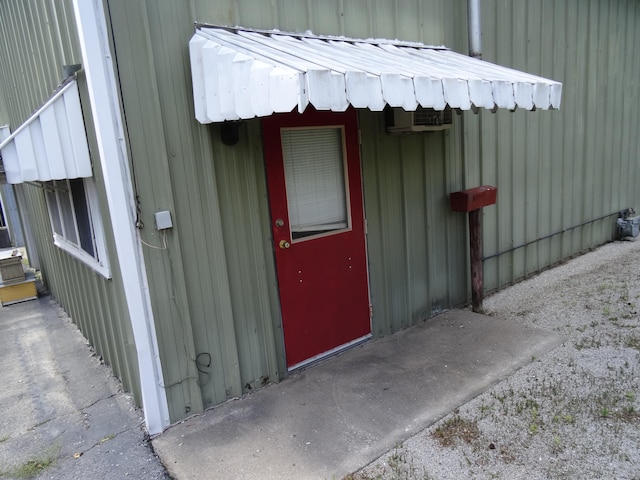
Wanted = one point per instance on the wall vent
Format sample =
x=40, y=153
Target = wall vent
x=422, y=120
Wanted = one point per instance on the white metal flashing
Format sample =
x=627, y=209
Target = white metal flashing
x=51, y=144
x=103, y=92
x=242, y=73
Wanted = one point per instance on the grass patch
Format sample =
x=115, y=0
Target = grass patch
x=588, y=342
x=34, y=466
x=456, y=428
x=632, y=341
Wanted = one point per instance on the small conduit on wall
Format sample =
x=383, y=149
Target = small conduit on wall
x=551, y=235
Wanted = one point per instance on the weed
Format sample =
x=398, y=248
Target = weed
x=396, y=459
x=106, y=439
x=5, y=438
x=556, y=445
x=34, y=466
x=628, y=414
x=456, y=428
x=588, y=342
x=632, y=341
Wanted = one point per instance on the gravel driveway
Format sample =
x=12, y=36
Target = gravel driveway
x=574, y=413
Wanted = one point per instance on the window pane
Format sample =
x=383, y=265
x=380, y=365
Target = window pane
x=54, y=214
x=83, y=220
x=75, y=220
x=315, y=181
x=68, y=222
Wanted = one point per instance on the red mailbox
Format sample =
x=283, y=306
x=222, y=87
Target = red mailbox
x=473, y=198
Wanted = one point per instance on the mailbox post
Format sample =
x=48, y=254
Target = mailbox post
x=471, y=201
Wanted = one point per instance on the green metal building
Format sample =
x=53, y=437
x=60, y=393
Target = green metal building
x=177, y=273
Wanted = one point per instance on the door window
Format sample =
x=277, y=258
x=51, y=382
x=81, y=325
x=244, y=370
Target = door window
x=315, y=180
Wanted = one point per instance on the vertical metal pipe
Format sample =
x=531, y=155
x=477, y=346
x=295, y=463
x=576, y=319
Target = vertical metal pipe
x=473, y=20
x=475, y=221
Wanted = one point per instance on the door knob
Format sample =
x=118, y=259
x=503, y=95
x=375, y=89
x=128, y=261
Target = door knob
x=284, y=244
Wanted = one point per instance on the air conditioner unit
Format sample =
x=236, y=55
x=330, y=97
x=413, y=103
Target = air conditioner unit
x=422, y=120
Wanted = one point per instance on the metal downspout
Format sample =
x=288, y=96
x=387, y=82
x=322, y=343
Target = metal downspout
x=473, y=20
x=475, y=217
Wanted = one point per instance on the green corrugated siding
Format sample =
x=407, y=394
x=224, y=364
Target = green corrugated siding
x=37, y=38
x=218, y=272
x=214, y=289
x=557, y=170
x=215, y=298
x=416, y=246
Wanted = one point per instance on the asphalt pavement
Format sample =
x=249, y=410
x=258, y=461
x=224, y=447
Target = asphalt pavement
x=63, y=415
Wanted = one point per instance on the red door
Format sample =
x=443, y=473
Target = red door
x=315, y=195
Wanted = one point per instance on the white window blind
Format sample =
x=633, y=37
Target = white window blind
x=315, y=179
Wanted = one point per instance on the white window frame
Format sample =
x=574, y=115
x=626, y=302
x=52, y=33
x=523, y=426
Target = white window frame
x=98, y=262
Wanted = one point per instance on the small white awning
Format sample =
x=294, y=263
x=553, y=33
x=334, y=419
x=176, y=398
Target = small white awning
x=51, y=144
x=240, y=73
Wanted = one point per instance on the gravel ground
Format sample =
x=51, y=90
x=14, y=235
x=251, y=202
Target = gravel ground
x=574, y=413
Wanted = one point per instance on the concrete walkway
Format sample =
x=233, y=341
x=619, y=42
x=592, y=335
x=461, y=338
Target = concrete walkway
x=60, y=407
x=336, y=417
x=59, y=402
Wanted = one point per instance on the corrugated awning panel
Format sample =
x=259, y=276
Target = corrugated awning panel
x=51, y=144
x=239, y=74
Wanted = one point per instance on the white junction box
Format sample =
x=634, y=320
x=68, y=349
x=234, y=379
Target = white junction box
x=163, y=220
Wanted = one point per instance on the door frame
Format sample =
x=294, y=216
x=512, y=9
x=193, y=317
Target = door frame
x=309, y=119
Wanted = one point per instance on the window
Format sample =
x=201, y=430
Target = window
x=75, y=221
x=315, y=180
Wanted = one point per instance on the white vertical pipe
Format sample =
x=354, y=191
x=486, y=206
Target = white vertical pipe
x=475, y=32
x=103, y=94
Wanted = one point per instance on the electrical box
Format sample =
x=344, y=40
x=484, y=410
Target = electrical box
x=628, y=225
x=473, y=198
x=163, y=220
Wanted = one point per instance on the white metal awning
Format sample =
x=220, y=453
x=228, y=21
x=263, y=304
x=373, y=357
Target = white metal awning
x=51, y=144
x=241, y=73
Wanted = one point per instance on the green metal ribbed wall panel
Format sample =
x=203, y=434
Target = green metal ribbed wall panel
x=221, y=248
x=557, y=170
x=416, y=246
x=37, y=38
x=214, y=287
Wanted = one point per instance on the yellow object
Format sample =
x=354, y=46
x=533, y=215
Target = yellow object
x=18, y=292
